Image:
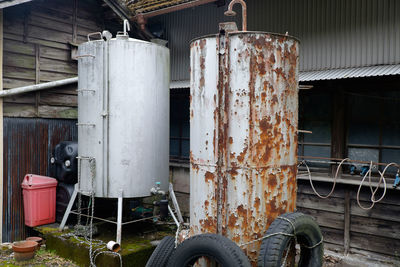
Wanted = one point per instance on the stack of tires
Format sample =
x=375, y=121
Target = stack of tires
x=64, y=167
x=286, y=231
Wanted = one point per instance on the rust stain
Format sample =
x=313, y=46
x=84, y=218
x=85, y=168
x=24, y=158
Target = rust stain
x=232, y=221
x=257, y=204
x=272, y=182
x=209, y=177
x=242, y=155
x=270, y=139
x=202, y=43
x=202, y=81
x=209, y=225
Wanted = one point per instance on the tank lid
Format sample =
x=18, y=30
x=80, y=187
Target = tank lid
x=245, y=33
x=32, y=181
x=122, y=36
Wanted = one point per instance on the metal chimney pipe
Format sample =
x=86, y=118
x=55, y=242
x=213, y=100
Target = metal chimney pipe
x=230, y=12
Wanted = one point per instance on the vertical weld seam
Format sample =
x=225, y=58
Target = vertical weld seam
x=220, y=38
x=221, y=199
x=225, y=112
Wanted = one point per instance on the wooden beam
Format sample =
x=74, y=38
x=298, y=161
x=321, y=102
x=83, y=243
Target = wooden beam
x=176, y=8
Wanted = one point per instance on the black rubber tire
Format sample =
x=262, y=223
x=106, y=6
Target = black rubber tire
x=162, y=253
x=219, y=248
x=308, y=233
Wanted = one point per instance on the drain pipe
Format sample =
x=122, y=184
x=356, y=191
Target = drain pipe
x=37, y=87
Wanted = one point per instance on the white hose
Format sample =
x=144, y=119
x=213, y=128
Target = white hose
x=373, y=192
x=368, y=173
x=334, y=179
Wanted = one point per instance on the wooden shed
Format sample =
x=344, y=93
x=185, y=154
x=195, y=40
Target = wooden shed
x=39, y=41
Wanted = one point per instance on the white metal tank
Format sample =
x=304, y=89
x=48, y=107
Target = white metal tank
x=123, y=117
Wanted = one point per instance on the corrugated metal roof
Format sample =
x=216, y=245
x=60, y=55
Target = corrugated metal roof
x=8, y=3
x=145, y=6
x=179, y=84
x=306, y=76
x=382, y=70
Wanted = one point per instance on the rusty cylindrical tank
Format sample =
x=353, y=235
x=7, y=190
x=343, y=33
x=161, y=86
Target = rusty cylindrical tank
x=243, y=134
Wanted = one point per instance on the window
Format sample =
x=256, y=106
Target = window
x=179, y=125
x=373, y=126
x=315, y=115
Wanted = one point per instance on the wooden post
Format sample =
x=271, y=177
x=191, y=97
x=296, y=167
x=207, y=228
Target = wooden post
x=1, y=127
x=338, y=128
x=338, y=143
x=347, y=210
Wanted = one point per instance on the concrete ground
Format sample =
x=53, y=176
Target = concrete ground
x=333, y=259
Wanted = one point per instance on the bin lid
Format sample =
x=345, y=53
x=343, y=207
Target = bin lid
x=37, y=181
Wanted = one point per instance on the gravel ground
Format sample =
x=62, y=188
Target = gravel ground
x=42, y=258
x=331, y=261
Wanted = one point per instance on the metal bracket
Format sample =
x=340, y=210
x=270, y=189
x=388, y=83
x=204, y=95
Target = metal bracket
x=94, y=33
x=82, y=56
x=175, y=202
x=86, y=90
x=86, y=124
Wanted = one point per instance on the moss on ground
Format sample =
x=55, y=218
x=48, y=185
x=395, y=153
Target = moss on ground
x=136, y=244
x=42, y=258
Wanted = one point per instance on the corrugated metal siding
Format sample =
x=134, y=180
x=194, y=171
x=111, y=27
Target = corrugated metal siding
x=333, y=34
x=27, y=146
x=183, y=26
x=384, y=70
x=8, y=3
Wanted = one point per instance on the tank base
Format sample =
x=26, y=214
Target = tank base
x=119, y=222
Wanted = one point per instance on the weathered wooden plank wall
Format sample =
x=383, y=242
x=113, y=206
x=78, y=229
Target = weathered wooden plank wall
x=372, y=232
x=376, y=230
x=27, y=147
x=38, y=38
x=37, y=48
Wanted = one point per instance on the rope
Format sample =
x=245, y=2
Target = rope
x=177, y=235
x=373, y=192
x=334, y=180
x=284, y=234
x=287, y=254
x=382, y=179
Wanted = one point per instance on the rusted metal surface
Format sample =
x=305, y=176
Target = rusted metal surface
x=243, y=115
x=27, y=147
x=230, y=12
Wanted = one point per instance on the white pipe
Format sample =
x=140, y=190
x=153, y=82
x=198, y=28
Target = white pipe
x=173, y=216
x=37, y=87
x=175, y=202
x=119, y=220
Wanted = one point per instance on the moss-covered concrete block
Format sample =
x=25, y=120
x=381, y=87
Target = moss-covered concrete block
x=136, y=246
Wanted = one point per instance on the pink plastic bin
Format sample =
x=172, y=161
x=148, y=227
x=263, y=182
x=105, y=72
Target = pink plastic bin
x=39, y=199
